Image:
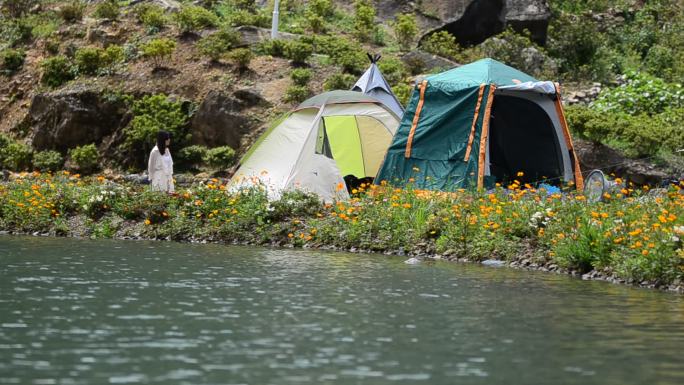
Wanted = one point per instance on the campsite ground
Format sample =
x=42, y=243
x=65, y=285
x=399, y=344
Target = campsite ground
x=633, y=237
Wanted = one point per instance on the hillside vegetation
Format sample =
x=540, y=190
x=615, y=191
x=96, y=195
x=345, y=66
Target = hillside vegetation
x=156, y=62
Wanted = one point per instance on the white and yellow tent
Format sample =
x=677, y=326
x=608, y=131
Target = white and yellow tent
x=313, y=147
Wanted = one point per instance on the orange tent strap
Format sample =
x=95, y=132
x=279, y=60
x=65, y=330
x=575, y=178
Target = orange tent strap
x=416, y=118
x=472, y=127
x=484, y=136
x=579, y=180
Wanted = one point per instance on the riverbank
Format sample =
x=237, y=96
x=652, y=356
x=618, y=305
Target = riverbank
x=634, y=237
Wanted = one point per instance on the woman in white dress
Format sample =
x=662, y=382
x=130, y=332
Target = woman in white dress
x=160, y=164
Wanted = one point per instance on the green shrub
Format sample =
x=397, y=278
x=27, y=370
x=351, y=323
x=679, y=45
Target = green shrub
x=217, y=44
x=393, y=69
x=94, y=60
x=220, y=157
x=261, y=18
x=322, y=8
x=273, y=47
x=339, y=81
x=192, y=155
x=353, y=62
x=192, y=18
x=641, y=94
x=15, y=156
x=84, y=157
x=108, y=9
x=159, y=50
x=403, y=93
x=151, y=114
x=298, y=51
x=56, y=71
x=406, y=30
x=297, y=94
x=441, y=43
x=315, y=22
x=364, y=19
x=51, y=46
x=11, y=60
x=48, y=160
x=15, y=32
x=301, y=76
x=151, y=16
x=72, y=11
x=241, y=58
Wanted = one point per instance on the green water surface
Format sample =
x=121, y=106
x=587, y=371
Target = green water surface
x=124, y=312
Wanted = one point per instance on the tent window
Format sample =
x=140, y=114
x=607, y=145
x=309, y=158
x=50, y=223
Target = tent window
x=522, y=138
x=322, y=142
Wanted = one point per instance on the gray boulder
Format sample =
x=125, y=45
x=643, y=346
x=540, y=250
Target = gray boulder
x=222, y=119
x=68, y=118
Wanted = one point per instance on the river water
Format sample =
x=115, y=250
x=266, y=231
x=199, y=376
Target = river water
x=116, y=312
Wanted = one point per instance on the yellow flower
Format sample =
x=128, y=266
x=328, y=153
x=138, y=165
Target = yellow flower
x=147, y=222
x=290, y=235
x=520, y=173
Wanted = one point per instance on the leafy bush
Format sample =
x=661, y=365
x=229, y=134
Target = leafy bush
x=403, y=93
x=297, y=94
x=301, y=76
x=273, y=47
x=107, y=9
x=393, y=69
x=51, y=46
x=158, y=50
x=298, y=51
x=56, y=71
x=93, y=60
x=151, y=114
x=14, y=155
x=339, y=81
x=241, y=58
x=322, y=8
x=315, y=22
x=11, y=60
x=443, y=44
x=48, y=160
x=150, y=15
x=220, y=157
x=217, y=44
x=192, y=18
x=636, y=135
x=353, y=62
x=72, y=11
x=84, y=157
x=260, y=18
x=193, y=155
x=405, y=30
x=641, y=93
x=364, y=19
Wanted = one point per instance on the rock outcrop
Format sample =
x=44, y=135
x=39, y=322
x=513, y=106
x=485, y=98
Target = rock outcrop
x=222, y=119
x=473, y=21
x=68, y=118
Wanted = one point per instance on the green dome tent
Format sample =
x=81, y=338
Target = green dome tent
x=326, y=139
x=479, y=124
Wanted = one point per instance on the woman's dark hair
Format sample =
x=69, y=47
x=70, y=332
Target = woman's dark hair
x=161, y=140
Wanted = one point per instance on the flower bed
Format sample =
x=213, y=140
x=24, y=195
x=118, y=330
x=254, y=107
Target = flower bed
x=634, y=235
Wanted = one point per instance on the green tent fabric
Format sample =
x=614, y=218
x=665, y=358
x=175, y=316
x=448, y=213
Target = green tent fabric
x=454, y=106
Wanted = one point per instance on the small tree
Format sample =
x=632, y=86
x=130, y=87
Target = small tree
x=220, y=157
x=47, y=160
x=72, y=11
x=158, y=51
x=192, y=18
x=108, y=9
x=57, y=70
x=405, y=30
x=217, y=44
x=364, y=19
x=301, y=76
x=241, y=57
x=442, y=43
x=84, y=157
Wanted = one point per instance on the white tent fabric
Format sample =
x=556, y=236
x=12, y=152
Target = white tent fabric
x=286, y=158
x=374, y=84
x=543, y=87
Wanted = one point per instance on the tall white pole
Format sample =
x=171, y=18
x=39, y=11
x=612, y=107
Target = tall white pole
x=274, y=23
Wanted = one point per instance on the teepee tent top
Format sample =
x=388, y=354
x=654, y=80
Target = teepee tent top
x=373, y=83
